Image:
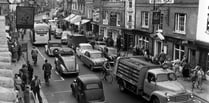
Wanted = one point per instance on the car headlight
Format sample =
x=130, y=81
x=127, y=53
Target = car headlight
x=191, y=95
x=167, y=97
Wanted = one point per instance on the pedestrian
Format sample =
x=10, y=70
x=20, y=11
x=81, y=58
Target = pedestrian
x=194, y=76
x=19, y=51
x=47, y=67
x=30, y=71
x=24, y=74
x=162, y=57
x=118, y=43
x=186, y=70
x=35, y=87
x=200, y=75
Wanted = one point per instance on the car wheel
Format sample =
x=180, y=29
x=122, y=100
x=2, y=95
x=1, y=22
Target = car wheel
x=121, y=87
x=155, y=100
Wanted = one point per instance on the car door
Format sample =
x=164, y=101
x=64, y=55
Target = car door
x=149, y=83
x=84, y=58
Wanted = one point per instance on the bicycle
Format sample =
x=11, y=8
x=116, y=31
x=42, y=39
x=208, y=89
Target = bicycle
x=106, y=73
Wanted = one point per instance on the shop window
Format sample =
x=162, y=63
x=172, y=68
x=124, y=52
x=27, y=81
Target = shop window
x=143, y=42
x=178, y=52
x=145, y=19
x=180, y=23
x=130, y=18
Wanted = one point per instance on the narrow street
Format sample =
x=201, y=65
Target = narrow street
x=59, y=90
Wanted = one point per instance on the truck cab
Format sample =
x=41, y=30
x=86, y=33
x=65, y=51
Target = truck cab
x=154, y=83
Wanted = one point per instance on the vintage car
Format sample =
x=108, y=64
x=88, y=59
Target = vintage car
x=58, y=33
x=64, y=36
x=93, y=59
x=99, y=45
x=65, y=62
x=52, y=47
x=82, y=47
x=8, y=95
x=88, y=88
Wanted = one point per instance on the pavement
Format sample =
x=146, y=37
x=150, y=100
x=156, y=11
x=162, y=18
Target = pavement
x=16, y=65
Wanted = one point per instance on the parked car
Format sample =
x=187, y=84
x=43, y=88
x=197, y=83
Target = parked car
x=93, y=59
x=53, y=47
x=58, y=33
x=88, y=88
x=82, y=47
x=64, y=36
x=65, y=62
x=99, y=45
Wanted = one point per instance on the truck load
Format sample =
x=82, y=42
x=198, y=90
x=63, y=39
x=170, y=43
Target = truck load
x=154, y=83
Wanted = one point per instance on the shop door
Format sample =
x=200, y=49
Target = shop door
x=158, y=47
x=203, y=59
x=192, y=57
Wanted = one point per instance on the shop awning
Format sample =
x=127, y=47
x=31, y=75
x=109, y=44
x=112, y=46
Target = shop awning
x=75, y=19
x=83, y=21
x=69, y=17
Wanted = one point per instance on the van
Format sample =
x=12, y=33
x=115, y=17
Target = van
x=75, y=39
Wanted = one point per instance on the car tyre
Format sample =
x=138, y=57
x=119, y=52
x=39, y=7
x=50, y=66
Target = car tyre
x=121, y=87
x=155, y=100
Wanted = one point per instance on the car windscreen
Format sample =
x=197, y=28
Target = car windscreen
x=166, y=77
x=86, y=47
x=96, y=55
x=55, y=45
x=101, y=43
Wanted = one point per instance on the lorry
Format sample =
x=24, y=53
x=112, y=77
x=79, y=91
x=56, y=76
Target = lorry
x=154, y=83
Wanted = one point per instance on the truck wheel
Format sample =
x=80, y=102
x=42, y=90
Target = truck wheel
x=121, y=87
x=155, y=100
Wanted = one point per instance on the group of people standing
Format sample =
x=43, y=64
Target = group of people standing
x=25, y=80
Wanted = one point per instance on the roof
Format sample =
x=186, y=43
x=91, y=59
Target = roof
x=89, y=78
x=85, y=44
x=94, y=51
x=160, y=71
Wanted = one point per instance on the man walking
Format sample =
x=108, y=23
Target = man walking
x=162, y=57
x=30, y=71
x=35, y=87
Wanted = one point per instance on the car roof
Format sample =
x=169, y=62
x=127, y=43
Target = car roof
x=94, y=51
x=99, y=42
x=54, y=41
x=85, y=44
x=67, y=32
x=160, y=71
x=89, y=78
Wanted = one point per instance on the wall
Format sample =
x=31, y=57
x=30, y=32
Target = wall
x=203, y=12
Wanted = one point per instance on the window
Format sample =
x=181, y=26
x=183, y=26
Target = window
x=145, y=19
x=130, y=3
x=143, y=42
x=130, y=18
x=178, y=52
x=180, y=23
x=160, y=26
x=118, y=19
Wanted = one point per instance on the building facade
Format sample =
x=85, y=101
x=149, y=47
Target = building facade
x=112, y=19
x=175, y=27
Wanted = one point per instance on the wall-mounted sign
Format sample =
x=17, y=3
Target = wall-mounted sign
x=161, y=1
x=156, y=18
x=96, y=14
x=24, y=17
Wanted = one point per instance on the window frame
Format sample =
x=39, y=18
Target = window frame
x=129, y=18
x=130, y=4
x=144, y=19
x=177, y=23
x=160, y=26
x=180, y=51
